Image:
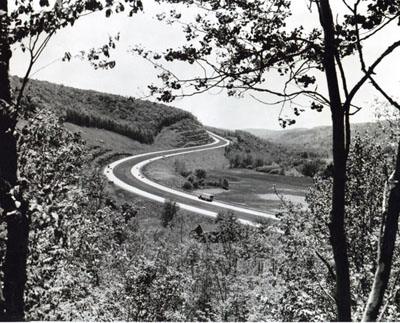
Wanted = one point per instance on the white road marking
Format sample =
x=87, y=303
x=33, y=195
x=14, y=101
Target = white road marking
x=136, y=172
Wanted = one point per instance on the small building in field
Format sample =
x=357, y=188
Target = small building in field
x=206, y=233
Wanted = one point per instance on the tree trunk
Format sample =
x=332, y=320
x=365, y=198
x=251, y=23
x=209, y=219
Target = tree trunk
x=385, y=256
x=336, y=227
x=5, y=54
x=14, y=265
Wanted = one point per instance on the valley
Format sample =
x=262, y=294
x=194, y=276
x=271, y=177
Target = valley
x=247, y=188
x=179, y=130
x=101, y=237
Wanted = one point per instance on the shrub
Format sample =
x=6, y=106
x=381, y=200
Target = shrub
x=311, y=167
x=186, y=173
x=212, y=183
x=200, y=173
x=181, y=168
x=187, y=186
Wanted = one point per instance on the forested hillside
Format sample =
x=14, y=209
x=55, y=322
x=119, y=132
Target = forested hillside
x=318, y=139
x=137, y=119
x=249, y=151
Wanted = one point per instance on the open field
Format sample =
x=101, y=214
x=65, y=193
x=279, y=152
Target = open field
x=247, y=188
x=256, y=190
x=164, y=171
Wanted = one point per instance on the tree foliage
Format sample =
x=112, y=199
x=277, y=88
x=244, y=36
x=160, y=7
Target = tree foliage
x=310, y=289
x=30, y=25
x=249, y=151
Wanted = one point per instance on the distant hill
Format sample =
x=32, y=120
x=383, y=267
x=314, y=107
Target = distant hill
x=315, y=139
x=137, y=119
x=318, y=139
x=270, y=134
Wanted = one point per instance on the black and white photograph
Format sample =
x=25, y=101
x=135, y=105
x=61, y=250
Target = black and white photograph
x=199, y=160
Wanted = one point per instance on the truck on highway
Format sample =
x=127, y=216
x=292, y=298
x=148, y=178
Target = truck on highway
x=206, y=197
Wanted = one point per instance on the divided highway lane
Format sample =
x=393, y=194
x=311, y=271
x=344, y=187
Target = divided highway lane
x=126, y=173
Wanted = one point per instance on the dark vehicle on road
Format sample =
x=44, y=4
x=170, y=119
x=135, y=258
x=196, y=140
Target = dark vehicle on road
x=206, y=197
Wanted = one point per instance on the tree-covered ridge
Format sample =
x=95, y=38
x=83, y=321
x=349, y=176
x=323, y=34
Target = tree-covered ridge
x=137, y=119
x=318, y=139
x=249, y=151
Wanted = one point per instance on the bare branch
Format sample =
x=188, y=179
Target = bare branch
x=291, y=95
x=387, y=97
x=326, y=292
x=355, y=112
x=268, y=103
x=280, y=196
x=382, y=26
x=326, y=263
x=370, y=71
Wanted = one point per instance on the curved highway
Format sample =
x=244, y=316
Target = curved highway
x=126, y=173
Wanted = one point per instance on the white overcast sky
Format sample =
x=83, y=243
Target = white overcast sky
x=132, y=74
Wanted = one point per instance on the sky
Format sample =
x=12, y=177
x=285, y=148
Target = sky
x=132, y=74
